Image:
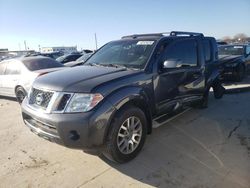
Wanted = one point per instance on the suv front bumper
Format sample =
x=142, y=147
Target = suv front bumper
x=74, y=130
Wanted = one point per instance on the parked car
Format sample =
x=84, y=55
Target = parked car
x=234, y=61
x=110, y=103
x=68, y=57
x=53, y=55
x=221, y=43
x=17, y=75
x=79, y=61
x=86, y=51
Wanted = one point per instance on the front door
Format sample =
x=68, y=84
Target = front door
x=11, y=77
x=183, y=82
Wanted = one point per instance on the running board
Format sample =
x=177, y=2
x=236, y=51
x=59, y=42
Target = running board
x=165, y=118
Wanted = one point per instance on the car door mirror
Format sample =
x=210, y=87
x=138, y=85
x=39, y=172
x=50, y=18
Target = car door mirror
x=168, y=64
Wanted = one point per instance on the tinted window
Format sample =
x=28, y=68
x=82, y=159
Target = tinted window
x=2, y=68
x=184, y=52
x=231, y=50
x=67, y=58
x=207, y=50
x=13, y=68
x=72, y=58
x=248, y=50
x=37, y=63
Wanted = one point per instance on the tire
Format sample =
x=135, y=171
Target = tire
x=219, y=90
x=203, y=103
x=20, y=94
x=118, y=146
x=240, y=73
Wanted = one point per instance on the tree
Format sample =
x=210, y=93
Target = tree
x=240, y=37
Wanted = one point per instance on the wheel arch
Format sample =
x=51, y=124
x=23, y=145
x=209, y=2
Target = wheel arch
x=133, y=96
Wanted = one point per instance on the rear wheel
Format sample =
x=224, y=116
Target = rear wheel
x=219, y=90
x=20, y=94
x=127, y=135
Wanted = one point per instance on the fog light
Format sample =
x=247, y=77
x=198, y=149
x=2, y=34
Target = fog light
x=73, y=135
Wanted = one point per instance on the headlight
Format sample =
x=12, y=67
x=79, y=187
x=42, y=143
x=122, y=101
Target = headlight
x=83, y=102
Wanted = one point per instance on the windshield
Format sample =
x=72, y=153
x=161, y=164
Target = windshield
x=128, y=53
x=84, y=57
x=61, y=58
x=34, y=64
x=231, y=50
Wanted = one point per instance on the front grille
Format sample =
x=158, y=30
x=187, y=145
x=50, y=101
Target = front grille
x=40, y=98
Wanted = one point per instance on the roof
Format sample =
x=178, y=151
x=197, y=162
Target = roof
x=235, y=45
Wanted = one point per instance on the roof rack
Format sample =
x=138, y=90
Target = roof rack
x=145, y=35
x=172, y=33
x=183, y=33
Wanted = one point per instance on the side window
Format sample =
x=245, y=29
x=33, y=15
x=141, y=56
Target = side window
x=248, y=50
x=2, y=68
x=207, y=50
x=13, y=68
x=184, y=52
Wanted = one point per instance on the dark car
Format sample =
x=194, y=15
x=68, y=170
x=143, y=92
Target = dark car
x=234, y=61
x=110, y=103
x=68, y=57
x=79, y=61
x=53, y=55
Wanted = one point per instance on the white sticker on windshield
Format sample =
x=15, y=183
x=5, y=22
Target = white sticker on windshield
x=238, y=46
x=145, y=42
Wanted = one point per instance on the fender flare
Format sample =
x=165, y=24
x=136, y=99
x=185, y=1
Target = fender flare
x=130, y=95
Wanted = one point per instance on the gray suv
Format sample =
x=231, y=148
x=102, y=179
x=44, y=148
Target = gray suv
x=110, y=103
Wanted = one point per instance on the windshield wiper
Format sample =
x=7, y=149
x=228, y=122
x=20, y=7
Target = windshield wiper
x=115, y=65
x=95, y=64
x=110, y=65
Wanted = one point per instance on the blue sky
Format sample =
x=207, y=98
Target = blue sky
x=70, y=23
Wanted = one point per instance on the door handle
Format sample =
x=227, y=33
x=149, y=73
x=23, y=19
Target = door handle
x=196, y=75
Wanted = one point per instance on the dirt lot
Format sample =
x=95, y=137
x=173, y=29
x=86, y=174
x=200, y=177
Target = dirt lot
x=200, y=148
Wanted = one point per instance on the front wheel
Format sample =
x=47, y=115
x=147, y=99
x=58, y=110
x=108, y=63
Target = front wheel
x=20, y=94
x=127, y=135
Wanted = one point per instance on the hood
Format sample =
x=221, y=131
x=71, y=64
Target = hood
x=225, y=59
x=79, y=79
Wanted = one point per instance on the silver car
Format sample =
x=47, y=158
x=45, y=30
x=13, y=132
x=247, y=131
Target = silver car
x=17, y=75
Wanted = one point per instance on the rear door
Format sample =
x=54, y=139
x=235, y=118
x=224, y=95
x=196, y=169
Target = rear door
x=183, y=83
x=248, y=57
x=210, y=56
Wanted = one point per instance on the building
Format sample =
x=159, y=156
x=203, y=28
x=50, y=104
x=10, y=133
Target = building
x=63, y=49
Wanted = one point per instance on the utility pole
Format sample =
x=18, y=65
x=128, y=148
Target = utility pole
x=25, y=46
x=95, y=42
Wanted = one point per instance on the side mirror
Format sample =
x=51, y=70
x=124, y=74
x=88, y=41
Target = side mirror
x=171, y=64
